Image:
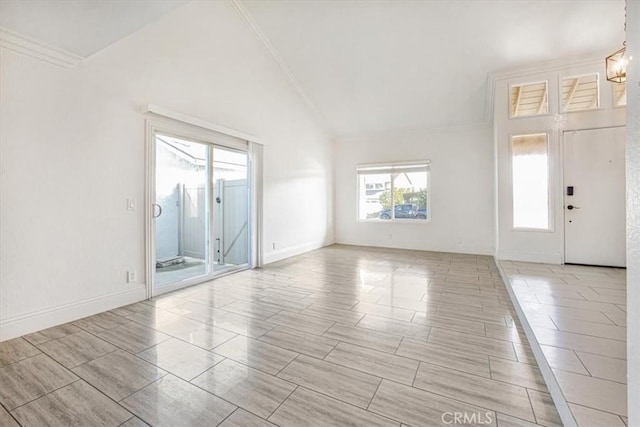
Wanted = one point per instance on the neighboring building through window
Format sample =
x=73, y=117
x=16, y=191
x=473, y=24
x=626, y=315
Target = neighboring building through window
x=395, y=191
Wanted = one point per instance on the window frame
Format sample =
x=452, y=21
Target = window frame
x=387, y=168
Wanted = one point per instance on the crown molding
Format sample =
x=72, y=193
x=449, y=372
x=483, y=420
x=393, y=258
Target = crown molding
x=257, y=31
x=37, y=49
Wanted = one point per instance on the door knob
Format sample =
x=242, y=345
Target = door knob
x=159, y=210
x=571, y=207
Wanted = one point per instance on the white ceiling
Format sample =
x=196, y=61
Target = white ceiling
x=81, y=27
x=376, y=66
x=367, y=66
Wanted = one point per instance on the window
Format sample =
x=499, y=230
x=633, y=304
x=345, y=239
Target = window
x=529, y=99
x=580, y=93
x=393, y=192
x=619, y=94
x=530, y=181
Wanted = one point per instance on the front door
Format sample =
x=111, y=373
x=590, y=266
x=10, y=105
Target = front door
x=594, y=197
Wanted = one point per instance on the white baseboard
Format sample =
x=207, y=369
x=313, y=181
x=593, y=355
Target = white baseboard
x=545, y=258
x=290, y=251
x=31, y=322
x=421, y=246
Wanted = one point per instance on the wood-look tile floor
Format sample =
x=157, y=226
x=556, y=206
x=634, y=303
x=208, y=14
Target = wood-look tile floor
x=578, y=315
x=342, y=336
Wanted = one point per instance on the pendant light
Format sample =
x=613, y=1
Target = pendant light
x=616, y=63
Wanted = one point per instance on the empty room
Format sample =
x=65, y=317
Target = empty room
x=319, y=213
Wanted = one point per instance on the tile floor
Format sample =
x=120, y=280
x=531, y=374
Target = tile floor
x=339, y=336
x=578, y=316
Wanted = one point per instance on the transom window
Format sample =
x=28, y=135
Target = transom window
x=619, y=94
x=393, y=192
x=529, y=99
x=580, y=93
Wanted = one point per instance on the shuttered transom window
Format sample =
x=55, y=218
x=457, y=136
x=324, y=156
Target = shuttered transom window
x=529, y=99
x=619, y=94
x=580, y=93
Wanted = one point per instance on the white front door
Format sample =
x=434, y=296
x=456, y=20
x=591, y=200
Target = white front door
x=594, y=197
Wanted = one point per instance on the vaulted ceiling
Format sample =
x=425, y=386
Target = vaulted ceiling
x=367, y=66
x=81, y=27
x=380, y=66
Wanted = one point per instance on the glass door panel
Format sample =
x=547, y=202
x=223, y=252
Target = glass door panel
x=230, y=209
x=181, y=211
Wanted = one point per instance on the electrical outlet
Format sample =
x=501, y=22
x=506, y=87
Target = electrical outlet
x=273, y=246
x=132, y=276
x=131, y=204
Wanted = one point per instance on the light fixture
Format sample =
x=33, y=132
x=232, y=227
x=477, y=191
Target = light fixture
x=616, y=63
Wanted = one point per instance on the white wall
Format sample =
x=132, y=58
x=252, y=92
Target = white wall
x=633, y=215
x=72, y=152
x=543, y=246
x=462, y=190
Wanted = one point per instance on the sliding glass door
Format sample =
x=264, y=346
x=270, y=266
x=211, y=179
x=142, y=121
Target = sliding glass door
x=200, y=212
x=231, y=209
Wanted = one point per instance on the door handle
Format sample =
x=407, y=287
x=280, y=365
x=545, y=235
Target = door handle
x=571, y=207
x=155, y=205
